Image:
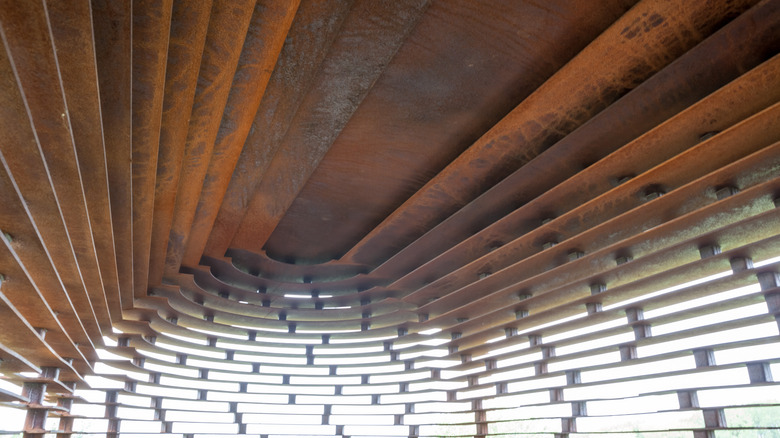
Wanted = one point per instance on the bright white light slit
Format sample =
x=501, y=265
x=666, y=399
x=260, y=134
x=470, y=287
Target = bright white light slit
x=220, y=365
x=669, y=290
x=188, y=350
x=260, y=348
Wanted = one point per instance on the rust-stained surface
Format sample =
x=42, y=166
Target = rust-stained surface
x=401, y=164
x=462, y=67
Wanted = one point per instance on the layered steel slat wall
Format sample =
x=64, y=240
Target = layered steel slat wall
x=627, y=286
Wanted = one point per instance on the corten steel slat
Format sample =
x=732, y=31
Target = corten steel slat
x=619, y=123
x=29, y=46
x=8, y=396
x=751, y=134
x=267, y=32
x=72, y=34
x=664, y=356
x=13, y=362
x=534, y=287
x=212, y=285
x=508, y=312
x=611, y=363
x=568, y=300
x=189, y=25
x=243, y=376
x=473, y=341
x=150, y=33
x=134, y=326
x=243, y=314
x=465, y=65
x=304, y=320
x=715, y=112
x=18, y=334
x=688, y=333
x=223, y=269
x=640, y=43
x=620, y=275
x=620, y=379
x=142, y=344
x=27, y=300
x=39, y=202
x=111, y=28
x=587, y=214
x=716, y=387
x=35, y=257
x=30, y=254
x=374, y=30
x=228, y=27
x=603, y=259
x=291, y=307
x=266, y=267
x=757, y=162
x=313, y=30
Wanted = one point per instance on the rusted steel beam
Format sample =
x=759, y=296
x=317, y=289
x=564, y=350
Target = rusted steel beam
x=265, y=267
x=746, y=137
x=227, y=30
x=754, y=91
x=229, y=311
x=703, y=69
x=112, y=23
x=643, y=41
x=16, y=333
x=553, y=300
x=343, y=82
x=41, y=202
x=313, y=30
x=30, y=49
x=750, y=93
x=229, y=274
x=71, y=27
x=568, y=301
x=31, y=305
x=150, y=34
x=267, y=33
x=742, y=170
x=189, y=25
x=464, y=66
x=759, y=164
x=71, y=305
x=545, y=271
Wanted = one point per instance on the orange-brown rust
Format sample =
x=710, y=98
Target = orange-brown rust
x=615, y=65
x=227, y=30
x=54, y=160
x=455, y=72
x=151, y=24
x=111, y=26
x=72, y=32
x=185, y=49
x=343, y=82
x=315, y=26
x=267, y=32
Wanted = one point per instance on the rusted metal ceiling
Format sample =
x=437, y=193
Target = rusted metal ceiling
x=337, y=134
x=418, y=163
x=335, y=130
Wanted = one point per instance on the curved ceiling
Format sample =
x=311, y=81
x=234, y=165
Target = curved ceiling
x=280, y=176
